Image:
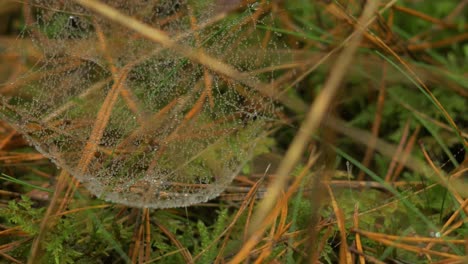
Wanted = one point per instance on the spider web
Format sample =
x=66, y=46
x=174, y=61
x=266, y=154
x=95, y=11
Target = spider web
x=136, y=123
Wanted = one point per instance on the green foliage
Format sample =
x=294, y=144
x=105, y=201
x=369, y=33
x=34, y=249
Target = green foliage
x=413, y=25
x=303, y=210
x=208, y=236
x=73, y=239
x=328, y=255
x=22, y=214
x=59, y=245
x=24, y=182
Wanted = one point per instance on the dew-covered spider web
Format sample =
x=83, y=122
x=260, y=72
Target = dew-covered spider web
x=136, y=123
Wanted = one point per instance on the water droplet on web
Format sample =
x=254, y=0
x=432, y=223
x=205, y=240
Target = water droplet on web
x=134, y=122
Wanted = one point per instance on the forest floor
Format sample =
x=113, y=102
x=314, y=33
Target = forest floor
x=319, y=131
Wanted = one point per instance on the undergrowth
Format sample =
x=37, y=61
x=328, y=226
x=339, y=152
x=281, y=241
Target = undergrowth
x=215, y=108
